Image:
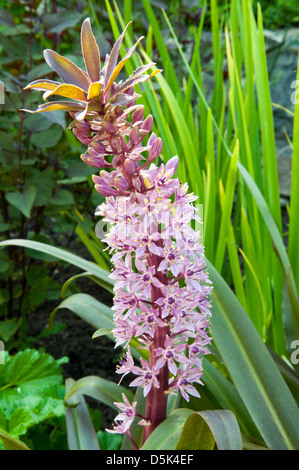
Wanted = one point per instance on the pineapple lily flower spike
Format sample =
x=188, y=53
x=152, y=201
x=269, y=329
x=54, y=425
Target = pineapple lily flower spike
x=161, y=287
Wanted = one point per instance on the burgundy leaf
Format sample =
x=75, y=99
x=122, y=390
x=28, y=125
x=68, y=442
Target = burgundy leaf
x=114, y=56
x=90, y=51
x=66, y=69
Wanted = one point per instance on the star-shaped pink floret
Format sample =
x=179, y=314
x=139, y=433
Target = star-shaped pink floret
x=126, y=416
x=147, y=377
x=169, y=354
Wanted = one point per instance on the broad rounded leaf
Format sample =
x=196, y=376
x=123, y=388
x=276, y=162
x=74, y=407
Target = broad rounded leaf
x=47, y=138
x=23, y=201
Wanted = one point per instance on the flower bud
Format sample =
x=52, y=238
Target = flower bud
x=109, y=127
x=129, y=167
x=147, y=124
x=171, y=165
x=155, y=150
x=102, y=187
x=97, y=161
x=98, y=146
x=105, y=190
x=118, y=111
x=138, y=115
x=134, y=136
x=151, y=139
x=120, y=182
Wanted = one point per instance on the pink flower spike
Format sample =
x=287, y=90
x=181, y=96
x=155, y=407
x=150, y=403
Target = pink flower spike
x=161, y=289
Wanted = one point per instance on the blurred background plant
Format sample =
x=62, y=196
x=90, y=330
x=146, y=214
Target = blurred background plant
x=213, y=106
x=44, y=184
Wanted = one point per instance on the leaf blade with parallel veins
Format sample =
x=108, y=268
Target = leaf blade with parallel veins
x=90, y=51
x=42, y=85
x=66, y=69
x=121, y=64
x=94, y=90
x=114, y=56
x=68, y=91
x=56, y=105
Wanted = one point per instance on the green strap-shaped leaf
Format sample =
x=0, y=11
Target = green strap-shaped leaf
x=166, y=436
x=186, y=429
x=227, y=396
x=183, y=132
x=65, y=256
x=73, y=278
x=80, y=431
x=294, y=201
x=102, y=332
x=96, y=314
x=257, y=379
x=196, y=434
x=89, y=309
x=257, y=195
x=103, y=390
x=204, y=428
x=163, y=51
x=11, y=443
